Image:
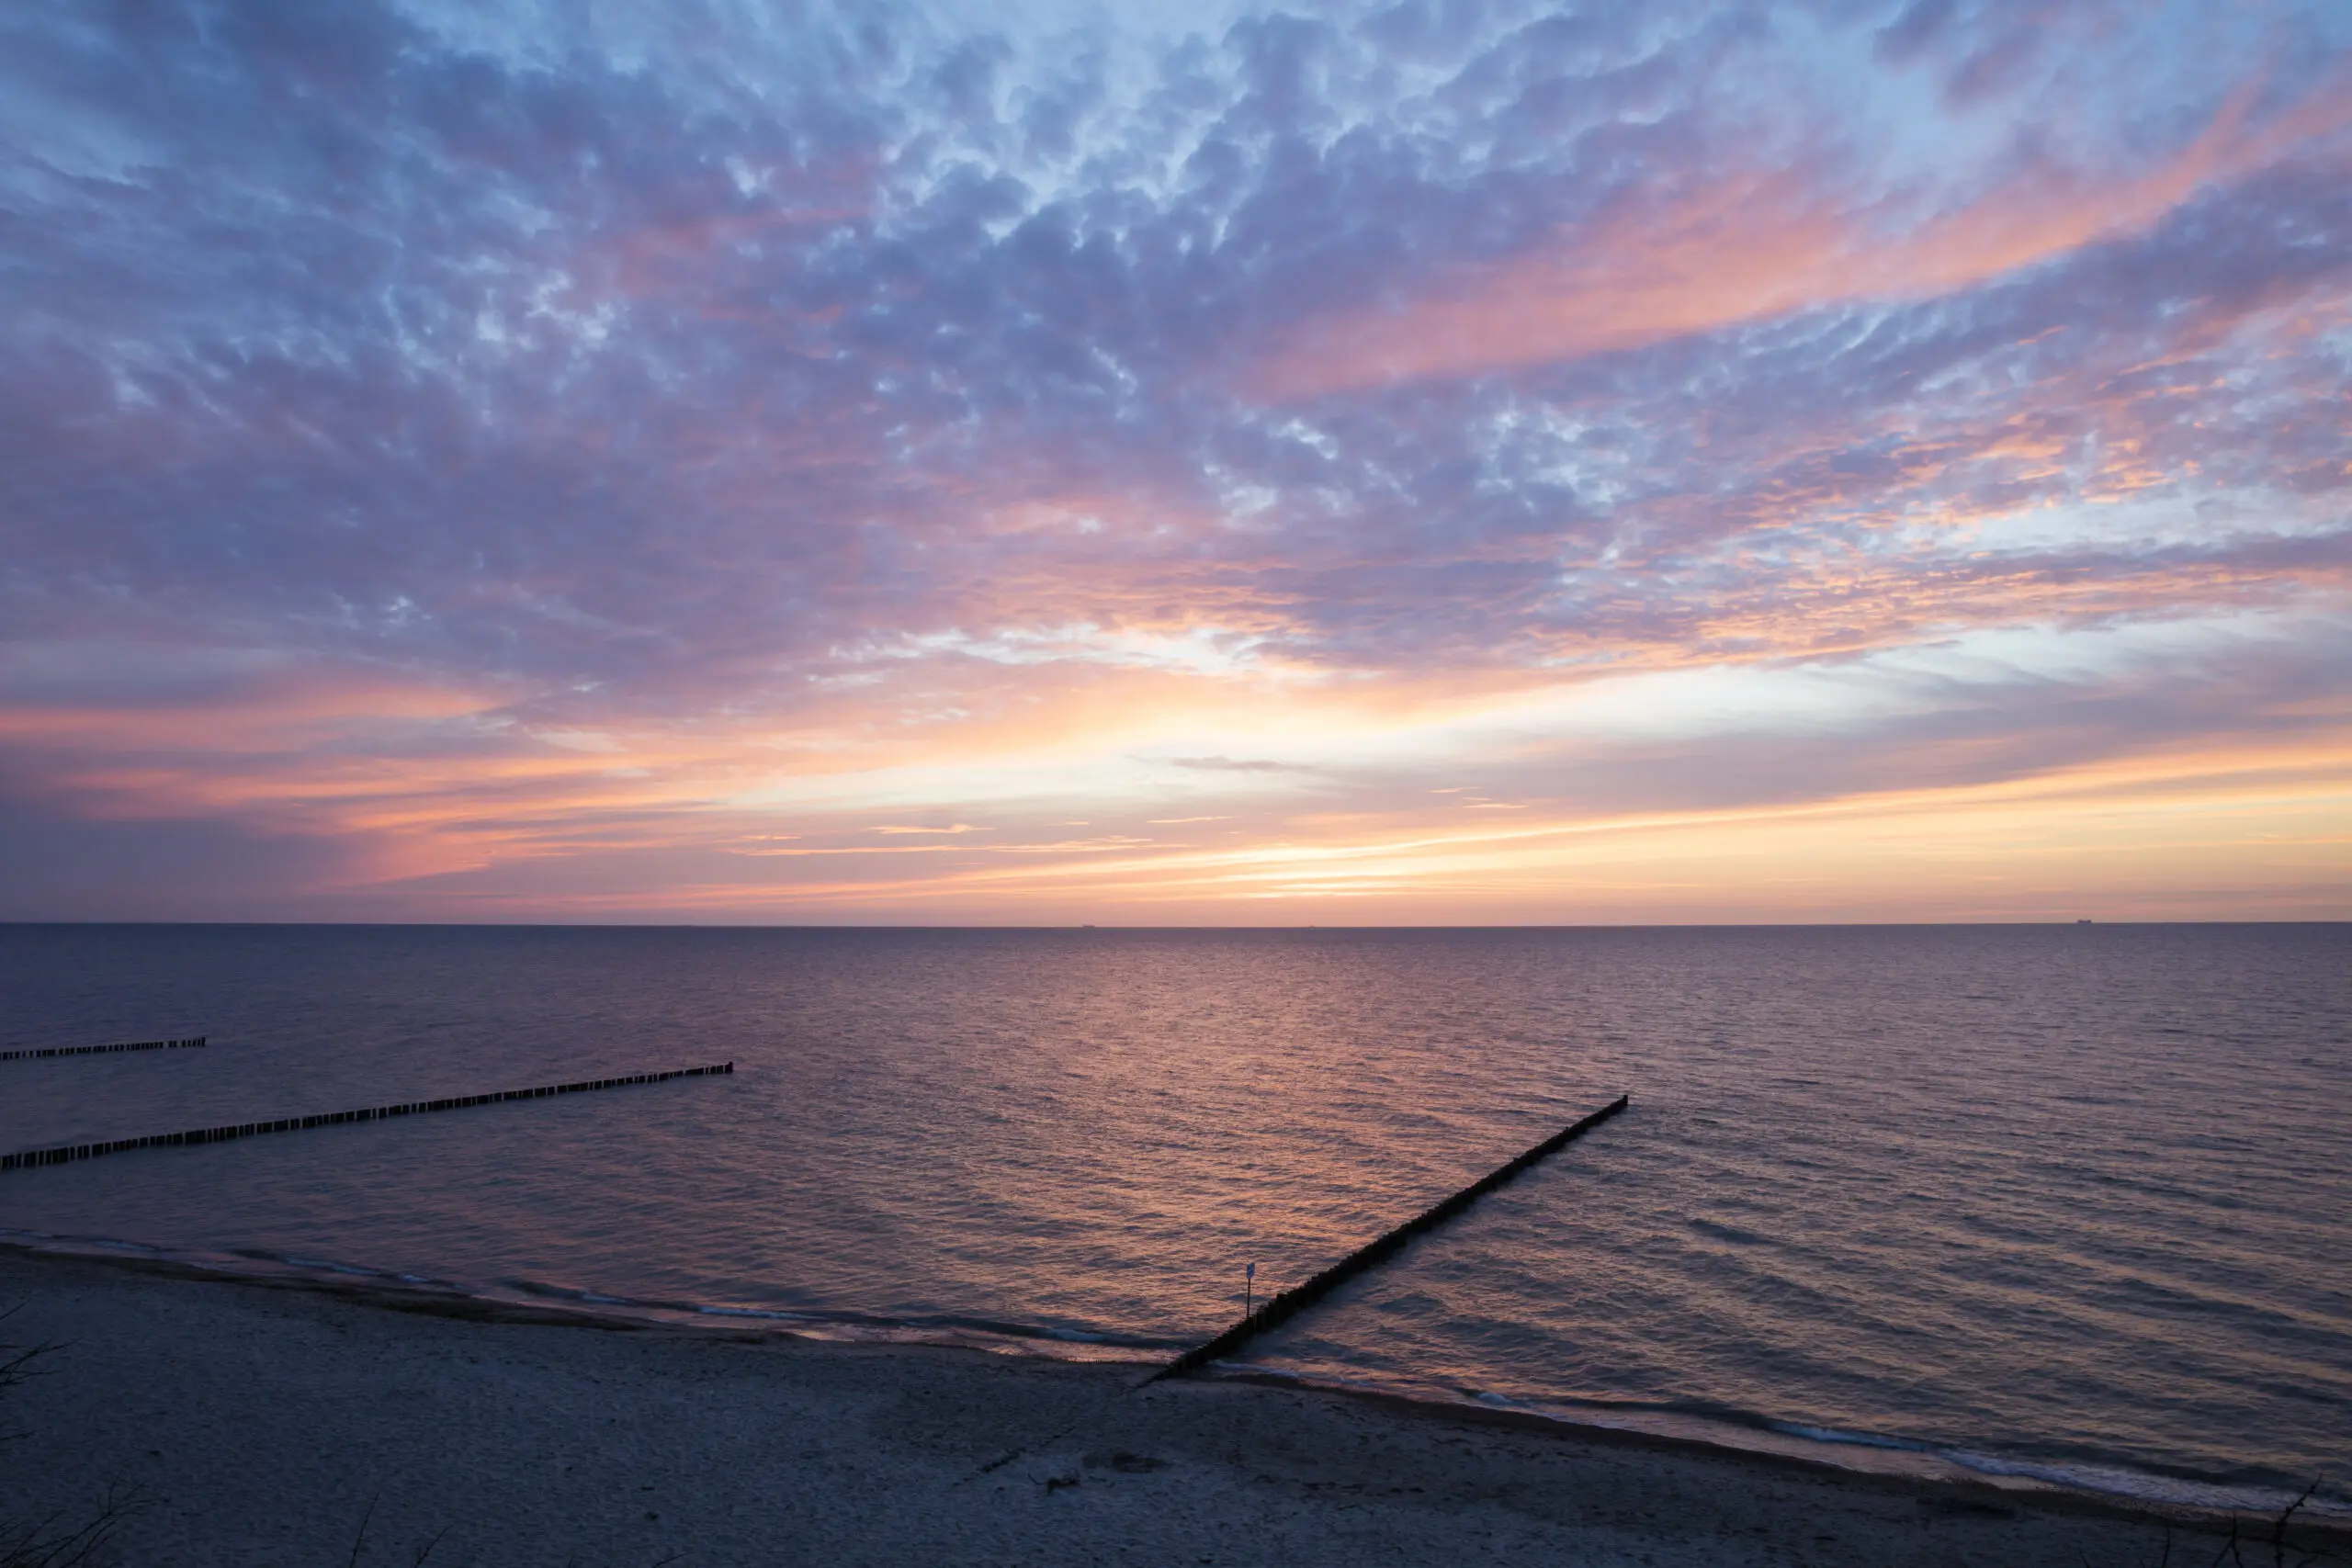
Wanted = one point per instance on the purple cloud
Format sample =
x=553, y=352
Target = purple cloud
x=519, y=405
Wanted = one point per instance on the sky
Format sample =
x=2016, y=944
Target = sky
x=1426, y=463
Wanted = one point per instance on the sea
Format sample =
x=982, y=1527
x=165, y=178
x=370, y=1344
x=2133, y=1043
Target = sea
x=2061, y=1205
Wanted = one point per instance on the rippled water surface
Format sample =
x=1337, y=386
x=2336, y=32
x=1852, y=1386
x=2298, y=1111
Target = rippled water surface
x=2074, y=1202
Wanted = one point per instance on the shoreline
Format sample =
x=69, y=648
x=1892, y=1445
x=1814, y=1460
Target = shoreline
x=1864, y=1456
x=1101, y=1391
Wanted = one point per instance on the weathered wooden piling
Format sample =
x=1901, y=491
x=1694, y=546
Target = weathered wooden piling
x=1282, y=1308
x=187, y=1045
x=71, y=1152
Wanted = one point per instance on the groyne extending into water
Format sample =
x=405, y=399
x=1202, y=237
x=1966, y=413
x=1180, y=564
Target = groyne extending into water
x=67, y=1153
x=1291, y=1303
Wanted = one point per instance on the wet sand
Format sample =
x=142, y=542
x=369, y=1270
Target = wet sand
x=260, y=1422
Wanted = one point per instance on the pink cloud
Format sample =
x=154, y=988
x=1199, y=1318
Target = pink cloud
x=1694, y=256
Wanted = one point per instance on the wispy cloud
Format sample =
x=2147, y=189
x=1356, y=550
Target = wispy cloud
x=499, y=463
x=1706, y=249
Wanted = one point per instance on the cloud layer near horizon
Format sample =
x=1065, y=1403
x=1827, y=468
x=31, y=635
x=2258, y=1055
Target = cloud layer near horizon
x=1430, y=461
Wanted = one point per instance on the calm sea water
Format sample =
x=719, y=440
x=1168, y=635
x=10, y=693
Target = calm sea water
x=2071, y=1202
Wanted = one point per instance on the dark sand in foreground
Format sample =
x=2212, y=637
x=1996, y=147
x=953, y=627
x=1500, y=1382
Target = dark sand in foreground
x=258, y=1423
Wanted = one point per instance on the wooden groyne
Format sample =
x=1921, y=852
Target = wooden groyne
x=71, y=1152
x=1299, y=1298
x=187, y=1045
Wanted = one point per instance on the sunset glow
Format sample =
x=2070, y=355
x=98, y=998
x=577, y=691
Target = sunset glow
x=1384, y=464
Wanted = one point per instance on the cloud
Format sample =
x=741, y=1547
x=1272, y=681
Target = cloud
x=1232, y=765
x=65, y=866
x=1752, y=243
x=445, y=447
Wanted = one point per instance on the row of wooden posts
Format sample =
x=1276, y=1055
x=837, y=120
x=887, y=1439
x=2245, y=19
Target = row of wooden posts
x=187, y=1045
x=66, y=1153
x=1299, y=1298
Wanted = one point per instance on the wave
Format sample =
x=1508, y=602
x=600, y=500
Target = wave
x=1870, y=1452
x=929, y=1324
x=1056, y=1339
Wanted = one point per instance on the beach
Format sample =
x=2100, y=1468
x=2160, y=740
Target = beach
x=263, y=1422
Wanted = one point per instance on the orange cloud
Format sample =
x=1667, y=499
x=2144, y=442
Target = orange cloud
x=2257, y=831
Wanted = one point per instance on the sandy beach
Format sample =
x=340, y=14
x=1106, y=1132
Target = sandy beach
x=260, y=1424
